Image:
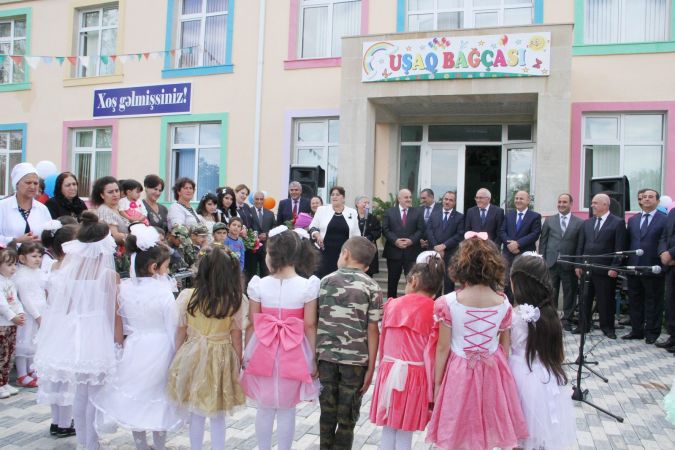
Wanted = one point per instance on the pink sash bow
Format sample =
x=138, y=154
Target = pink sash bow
x=272, y=332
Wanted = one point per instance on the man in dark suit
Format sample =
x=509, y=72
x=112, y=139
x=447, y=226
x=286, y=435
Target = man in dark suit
x=290, y=207
x=428, y=206
x=485, y=217
x=243, y=210
x=560, y=236
x=263, y=222
x=403, y=227
x=666, y=252
x=445, y=230
x=603, y=233
x=520, y=228
x=645, y=292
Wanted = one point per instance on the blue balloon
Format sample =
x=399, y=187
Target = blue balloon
x=250, y=198
x=50, y=183
x=662, y=208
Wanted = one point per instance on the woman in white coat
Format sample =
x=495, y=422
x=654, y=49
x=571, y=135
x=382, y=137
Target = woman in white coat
x=332, y=225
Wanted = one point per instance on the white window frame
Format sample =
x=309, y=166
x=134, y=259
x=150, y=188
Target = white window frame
x=201, y=16
x=624, y=22
x=96, y=60
x=469, y=12
x=326, y=145
x=12, y=40
x=6, y=152
x=93, y=151
x=196, y=146
x=330, y=4
x=621, y=143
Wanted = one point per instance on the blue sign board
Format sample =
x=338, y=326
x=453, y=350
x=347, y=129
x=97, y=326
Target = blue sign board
x=143, y=100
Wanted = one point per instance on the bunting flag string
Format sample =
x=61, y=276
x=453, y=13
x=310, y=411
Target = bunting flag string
x=34, y=60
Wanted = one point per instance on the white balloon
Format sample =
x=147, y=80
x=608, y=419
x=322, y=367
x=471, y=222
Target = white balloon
x=46, y=168
x=665, y=200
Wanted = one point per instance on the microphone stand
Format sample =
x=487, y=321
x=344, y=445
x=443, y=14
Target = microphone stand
x=580, y=394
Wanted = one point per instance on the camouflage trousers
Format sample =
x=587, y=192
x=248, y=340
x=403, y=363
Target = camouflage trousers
x=340, y=403
x=7, y=347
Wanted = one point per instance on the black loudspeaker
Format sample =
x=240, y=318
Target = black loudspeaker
x=618, y=190
x=310, y=177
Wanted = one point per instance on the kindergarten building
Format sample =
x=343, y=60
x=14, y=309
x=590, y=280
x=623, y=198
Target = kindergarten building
x=540, y=95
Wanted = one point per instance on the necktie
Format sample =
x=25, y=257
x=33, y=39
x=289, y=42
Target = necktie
x=404, y=217
x=519, y=222
x=645, y=224
x=295, y=208
x=482, y=216
x=427, y=211
x=596, y=230
x=563, y=224
x=260, y=216
x=445, y=219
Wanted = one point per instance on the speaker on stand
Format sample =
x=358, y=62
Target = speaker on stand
x=617, y=189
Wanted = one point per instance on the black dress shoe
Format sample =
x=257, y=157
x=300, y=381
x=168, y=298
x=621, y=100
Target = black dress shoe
x=610, y=334
x=567, y=326
x=650, y=340
x=631, y=336
x=670, y=342
x=577, y=330
x=53, y=429
x=671, y=349
x=66, y=432
x=625, y=321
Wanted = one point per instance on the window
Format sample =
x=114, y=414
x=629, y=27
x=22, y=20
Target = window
x=96, y=37
x=620, y=21
x=12, y=42
x=316, y=144
x=91, y=156
x=427, y=15
x=11, y=146
x=323, y=23
x=624, y=144
x=201, y=33
x=195, y=153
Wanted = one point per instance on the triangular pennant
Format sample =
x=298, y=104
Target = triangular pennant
x=32, y=61
x=72, y=59
x=179, y=53
x=155, y=55
x=47, y=59
x=2, y=58
x=146, y=55
x=113, y=57
x=60, y=59
x=16, y=59
x=172, y=52
x=104, y=59
x=139, y=56
x=123, y=58
x=84, y=60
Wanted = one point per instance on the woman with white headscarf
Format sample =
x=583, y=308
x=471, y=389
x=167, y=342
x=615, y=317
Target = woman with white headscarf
x=21, y=216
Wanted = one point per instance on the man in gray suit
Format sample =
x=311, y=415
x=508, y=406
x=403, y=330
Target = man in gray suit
x=559, y=236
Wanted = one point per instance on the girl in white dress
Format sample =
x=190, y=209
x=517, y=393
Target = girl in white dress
x=135, y=398
x=536, y=358
x=30, y=284
x=76, y=343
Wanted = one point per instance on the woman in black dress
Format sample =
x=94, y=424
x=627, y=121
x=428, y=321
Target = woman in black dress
x=332, y=225
x=370, y=228
x=65, y=201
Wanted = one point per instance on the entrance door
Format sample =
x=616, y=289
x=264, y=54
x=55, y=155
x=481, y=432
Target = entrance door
x=441, y=169
x=519, y=174
x=483, y=168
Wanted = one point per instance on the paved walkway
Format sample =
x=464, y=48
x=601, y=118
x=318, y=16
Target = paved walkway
x=640, y=375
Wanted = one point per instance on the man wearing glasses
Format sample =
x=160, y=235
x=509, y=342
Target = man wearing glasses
x=485, y=217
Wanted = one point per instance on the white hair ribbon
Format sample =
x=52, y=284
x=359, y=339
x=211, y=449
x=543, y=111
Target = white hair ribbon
x=302, y=233
x=277, y=230
x=529, y=313
x=424, y=257
x=52, y=226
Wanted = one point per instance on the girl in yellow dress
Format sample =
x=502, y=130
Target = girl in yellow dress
x=203, y=377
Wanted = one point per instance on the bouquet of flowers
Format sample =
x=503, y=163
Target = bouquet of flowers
x=251, y=241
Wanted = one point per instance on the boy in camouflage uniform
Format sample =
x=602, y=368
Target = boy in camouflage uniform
x=183, y=255
x=350, y=308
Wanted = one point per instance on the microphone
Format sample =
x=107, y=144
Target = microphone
x=638, y=252
x=645, y=269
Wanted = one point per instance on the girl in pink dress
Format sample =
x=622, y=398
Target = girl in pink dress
x=279, y=360
x=402, y=391
x=476, y=401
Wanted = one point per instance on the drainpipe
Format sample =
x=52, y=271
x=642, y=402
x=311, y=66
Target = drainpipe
x=258, y=96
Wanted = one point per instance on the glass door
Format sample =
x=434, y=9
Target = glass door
x=519, y=170
x=442, y=170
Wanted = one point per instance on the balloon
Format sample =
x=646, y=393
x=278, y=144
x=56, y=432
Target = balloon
x=665, y=201
x=250, y=198
x=671, y=206
x=50, y=183
x=269, y=203
x=662, y=209
x=46, y=168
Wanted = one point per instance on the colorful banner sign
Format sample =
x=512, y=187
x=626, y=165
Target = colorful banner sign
x=143, y=100
x=443, y=58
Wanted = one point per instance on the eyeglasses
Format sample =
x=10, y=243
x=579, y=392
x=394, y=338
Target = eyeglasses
x=479, y=198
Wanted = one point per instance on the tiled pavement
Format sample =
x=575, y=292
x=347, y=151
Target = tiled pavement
x=640, y=375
